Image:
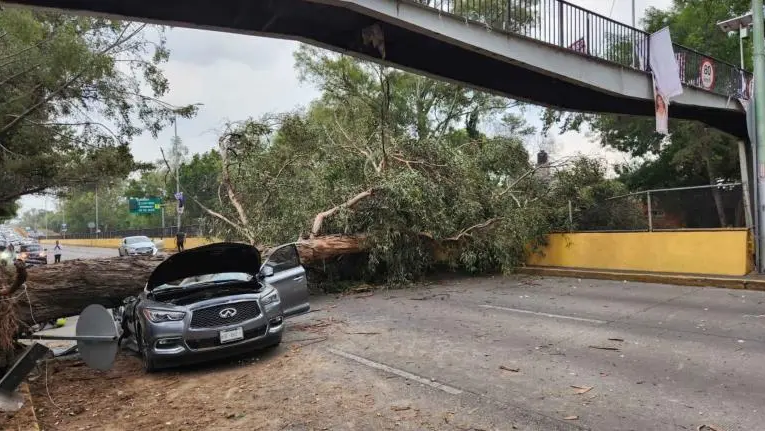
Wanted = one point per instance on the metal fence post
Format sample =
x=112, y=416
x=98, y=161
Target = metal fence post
x=650, y=212
x=570, y=217
x=560, y=23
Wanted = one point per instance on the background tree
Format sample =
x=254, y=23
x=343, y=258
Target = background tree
x=72, y=97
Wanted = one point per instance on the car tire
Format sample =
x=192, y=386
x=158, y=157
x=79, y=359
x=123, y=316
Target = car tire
x=120, y=252
x=276, y=342
x=149, y=365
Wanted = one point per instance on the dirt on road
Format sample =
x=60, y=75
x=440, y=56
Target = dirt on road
x=297, y=386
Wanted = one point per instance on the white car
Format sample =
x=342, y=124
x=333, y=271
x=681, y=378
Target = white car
x=137, y=246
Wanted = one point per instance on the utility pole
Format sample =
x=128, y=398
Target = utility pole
x=46, y=216
x=633, y=13
x=96, y=210
x=759, y=110
x=177, y=155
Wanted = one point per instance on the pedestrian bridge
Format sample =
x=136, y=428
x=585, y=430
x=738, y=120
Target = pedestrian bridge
x=547, y=52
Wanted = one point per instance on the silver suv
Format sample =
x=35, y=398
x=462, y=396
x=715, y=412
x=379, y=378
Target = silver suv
x=213, y=301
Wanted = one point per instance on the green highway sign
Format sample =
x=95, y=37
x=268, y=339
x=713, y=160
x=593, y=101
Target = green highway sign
x=144, y=205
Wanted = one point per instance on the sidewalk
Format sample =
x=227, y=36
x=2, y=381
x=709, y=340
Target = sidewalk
x=749, y=282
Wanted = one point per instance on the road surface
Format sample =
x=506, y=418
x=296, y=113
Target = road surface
x=71, y=252
x=492, y=353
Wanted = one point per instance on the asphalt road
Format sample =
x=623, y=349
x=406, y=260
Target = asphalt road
x=70, y=252
x=506, y=352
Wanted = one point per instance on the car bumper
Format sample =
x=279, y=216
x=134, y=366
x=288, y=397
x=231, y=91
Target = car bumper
x=203, y=344
x=142, y=253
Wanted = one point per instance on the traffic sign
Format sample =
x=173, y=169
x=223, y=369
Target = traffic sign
x=144, y=205
x=707, y=74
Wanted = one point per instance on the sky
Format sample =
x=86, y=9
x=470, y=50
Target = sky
x=238, y=76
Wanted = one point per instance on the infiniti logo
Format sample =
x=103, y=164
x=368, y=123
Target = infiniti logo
x=227, y=312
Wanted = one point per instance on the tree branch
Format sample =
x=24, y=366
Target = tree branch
x=69, y=82
x=226, y=179
x=350, y=203
x=480, y=226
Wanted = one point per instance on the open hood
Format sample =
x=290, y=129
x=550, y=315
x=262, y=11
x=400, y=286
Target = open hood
x=207, y=259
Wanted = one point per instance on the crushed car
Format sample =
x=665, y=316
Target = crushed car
x=213, y=301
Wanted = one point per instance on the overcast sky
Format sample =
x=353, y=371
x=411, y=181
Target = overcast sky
x=238, y=76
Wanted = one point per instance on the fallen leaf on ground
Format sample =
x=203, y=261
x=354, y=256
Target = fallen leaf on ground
x=514, y=370
x=582, y=389
x=616, y=339
x=615, y=349
x=571, y=418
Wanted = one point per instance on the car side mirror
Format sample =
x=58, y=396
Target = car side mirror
x=267, y=271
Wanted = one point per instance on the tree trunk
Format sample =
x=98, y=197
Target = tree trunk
x=62, y=290
x=66, y=289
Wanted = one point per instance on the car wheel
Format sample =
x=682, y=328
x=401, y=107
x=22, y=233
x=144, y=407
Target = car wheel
x=120, y=251
x=146, y=360
x=276, y=342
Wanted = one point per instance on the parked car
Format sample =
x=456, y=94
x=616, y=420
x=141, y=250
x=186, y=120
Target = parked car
x=213, y=301
x=32, y=254
x=137, y=246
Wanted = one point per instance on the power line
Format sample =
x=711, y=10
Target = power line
x=613, y=2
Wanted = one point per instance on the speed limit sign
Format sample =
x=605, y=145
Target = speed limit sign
x=707, y=74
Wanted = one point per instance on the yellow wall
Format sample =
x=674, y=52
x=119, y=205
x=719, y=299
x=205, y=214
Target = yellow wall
x=720, y=252
x=168, y=243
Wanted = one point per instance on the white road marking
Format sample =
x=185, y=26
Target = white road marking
x=557, y=316
x=401, y=373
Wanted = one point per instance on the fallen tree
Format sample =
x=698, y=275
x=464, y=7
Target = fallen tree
x=54, y=291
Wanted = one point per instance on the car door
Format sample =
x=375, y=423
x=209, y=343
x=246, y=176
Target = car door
x=289, y=278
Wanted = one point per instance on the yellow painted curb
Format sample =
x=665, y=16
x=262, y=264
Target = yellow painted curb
x=645, y=277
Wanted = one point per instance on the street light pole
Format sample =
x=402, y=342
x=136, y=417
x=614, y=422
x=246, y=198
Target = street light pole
x=759, y=102
x=633, y=13
x=177, y=170
x=96, y=210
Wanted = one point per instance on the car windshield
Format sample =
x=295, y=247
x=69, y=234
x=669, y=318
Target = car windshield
x=220, y=277
x=136, y=239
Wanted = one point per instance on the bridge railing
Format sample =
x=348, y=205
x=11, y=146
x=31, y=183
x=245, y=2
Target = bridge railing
x=560, y=23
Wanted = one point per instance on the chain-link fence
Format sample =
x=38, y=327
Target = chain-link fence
x=702, y=207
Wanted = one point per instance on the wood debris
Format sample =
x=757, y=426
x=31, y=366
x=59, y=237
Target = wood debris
x=582, y=389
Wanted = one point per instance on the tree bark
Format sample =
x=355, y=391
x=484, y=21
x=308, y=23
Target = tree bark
x=65, y=289
x=62, y=290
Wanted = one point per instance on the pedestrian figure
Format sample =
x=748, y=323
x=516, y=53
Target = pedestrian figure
x=57, y=253
x=180, y=237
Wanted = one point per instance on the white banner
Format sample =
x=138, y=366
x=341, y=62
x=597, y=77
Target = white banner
x=664, y=65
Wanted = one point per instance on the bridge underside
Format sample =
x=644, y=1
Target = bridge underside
x=339, y=28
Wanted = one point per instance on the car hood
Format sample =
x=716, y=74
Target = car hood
x=207, y=259
x=140, y=244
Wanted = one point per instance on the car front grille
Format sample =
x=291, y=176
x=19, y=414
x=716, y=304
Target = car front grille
x=210, y=317
x=204, y=343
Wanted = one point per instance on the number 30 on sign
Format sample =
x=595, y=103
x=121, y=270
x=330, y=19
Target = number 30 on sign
x=707, y=74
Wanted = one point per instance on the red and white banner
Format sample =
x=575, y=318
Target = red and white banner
x=680, y=59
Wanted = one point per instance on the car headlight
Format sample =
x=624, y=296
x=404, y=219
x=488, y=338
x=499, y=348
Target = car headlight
x=271, y=299
x=157, y=316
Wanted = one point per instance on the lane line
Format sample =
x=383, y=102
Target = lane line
x=557, y=316
x=401, y=373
